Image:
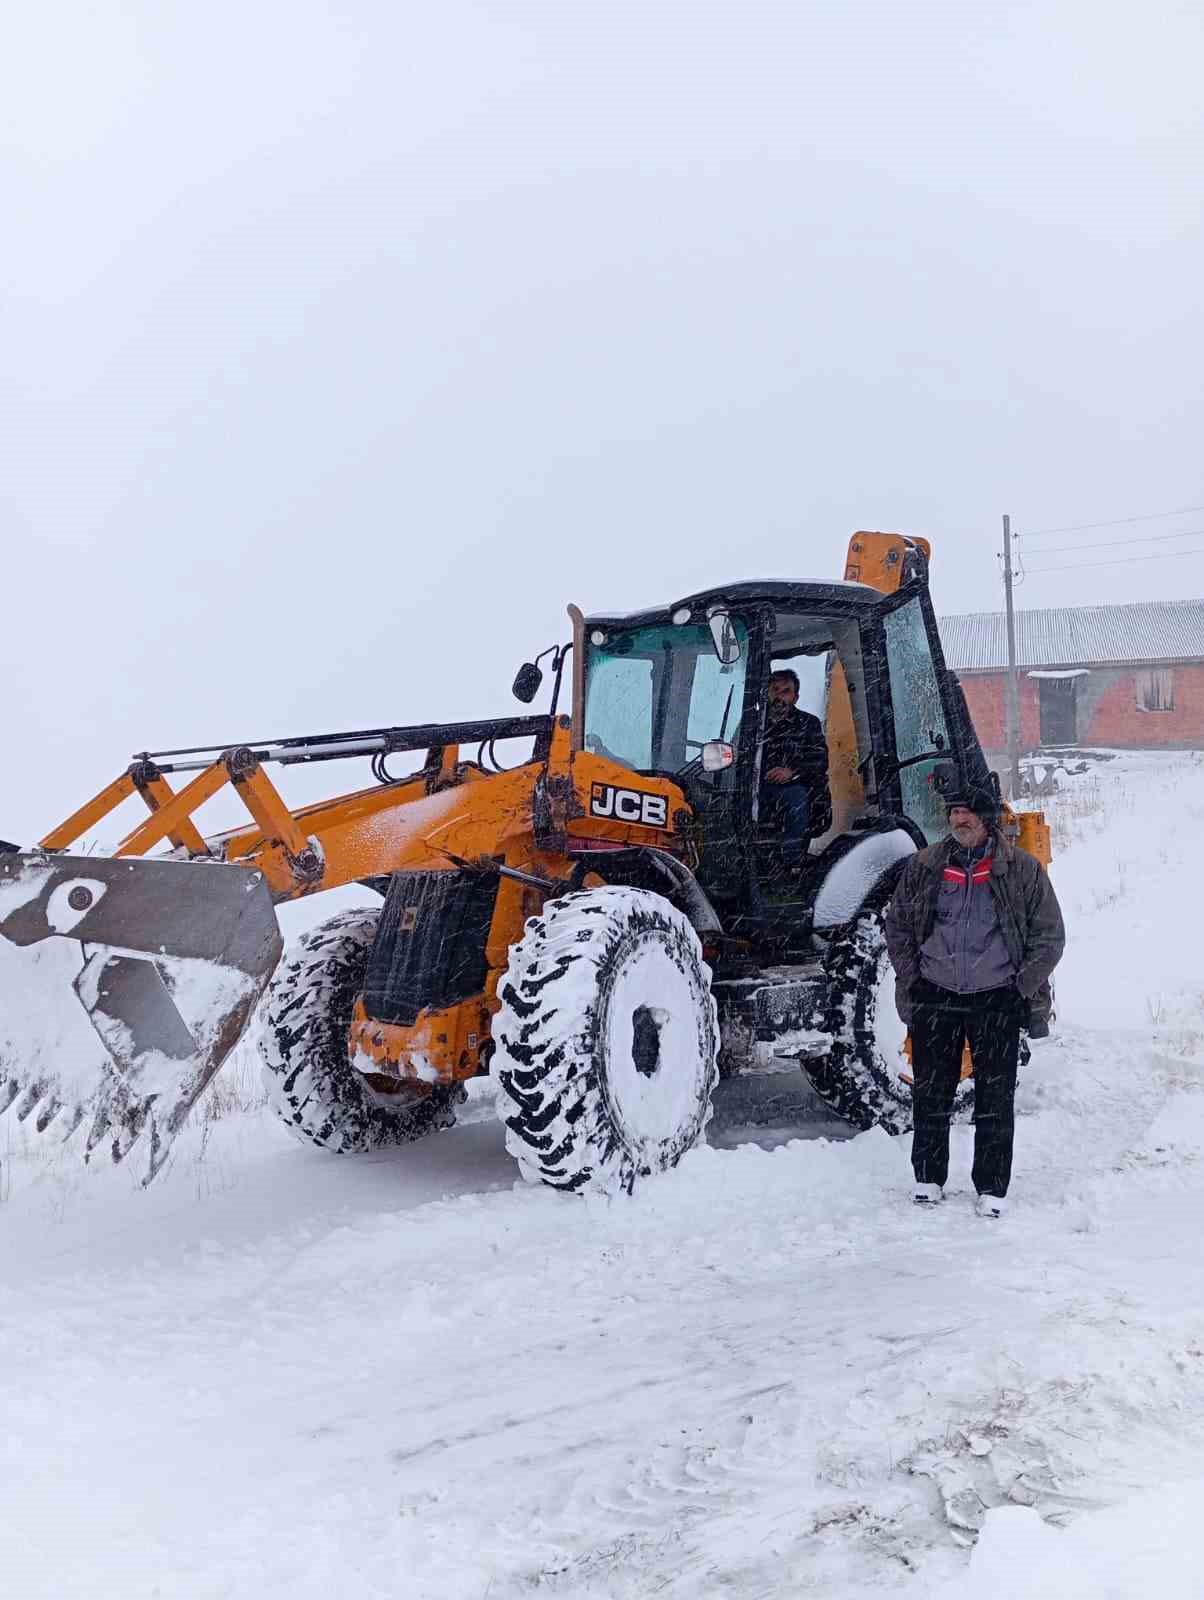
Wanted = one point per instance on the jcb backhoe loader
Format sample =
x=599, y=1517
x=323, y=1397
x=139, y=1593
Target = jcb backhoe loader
x=604, y=926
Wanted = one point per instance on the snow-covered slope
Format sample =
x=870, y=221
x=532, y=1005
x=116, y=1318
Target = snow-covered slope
x=277, y=1372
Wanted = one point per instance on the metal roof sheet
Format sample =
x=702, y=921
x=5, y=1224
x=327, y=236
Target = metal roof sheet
x=1069, y=636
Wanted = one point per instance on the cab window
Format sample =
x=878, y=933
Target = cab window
x=654, y=696
x=921, y=734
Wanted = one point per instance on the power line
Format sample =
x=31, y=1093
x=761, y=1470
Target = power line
x=1121, y=561
x=1114, y=544
x=1115, y=522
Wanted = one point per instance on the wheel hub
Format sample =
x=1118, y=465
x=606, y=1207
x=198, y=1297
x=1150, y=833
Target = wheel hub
x=655, y=1064
x=646, y=1025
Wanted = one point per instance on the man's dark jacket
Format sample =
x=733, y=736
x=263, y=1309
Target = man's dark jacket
x=1030, y=918
x=795, y=739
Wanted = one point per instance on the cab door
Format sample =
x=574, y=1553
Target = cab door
x=916, y=712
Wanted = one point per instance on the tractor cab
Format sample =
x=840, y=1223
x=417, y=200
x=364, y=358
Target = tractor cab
x=683, y=693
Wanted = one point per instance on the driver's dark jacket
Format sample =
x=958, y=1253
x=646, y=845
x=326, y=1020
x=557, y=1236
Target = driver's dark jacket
x=796, y=740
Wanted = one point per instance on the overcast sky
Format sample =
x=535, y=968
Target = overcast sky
x=344, y=344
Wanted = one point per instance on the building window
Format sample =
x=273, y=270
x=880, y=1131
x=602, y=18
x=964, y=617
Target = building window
x=1155, y=691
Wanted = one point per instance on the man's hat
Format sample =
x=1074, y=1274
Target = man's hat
x=955, y=790
x=975, y=797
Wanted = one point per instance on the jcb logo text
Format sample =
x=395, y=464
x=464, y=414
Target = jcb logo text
x=629, y=805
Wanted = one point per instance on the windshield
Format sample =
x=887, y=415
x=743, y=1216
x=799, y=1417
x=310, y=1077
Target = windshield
x=654, y=696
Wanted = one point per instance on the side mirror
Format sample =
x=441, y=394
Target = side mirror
x=526, y=682
x=716, y=755
x=723, y=636
x=946, y=779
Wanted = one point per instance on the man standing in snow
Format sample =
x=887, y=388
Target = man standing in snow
x=974, y=930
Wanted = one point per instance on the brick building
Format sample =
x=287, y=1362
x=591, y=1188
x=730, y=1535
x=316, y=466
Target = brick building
x=1123, y=677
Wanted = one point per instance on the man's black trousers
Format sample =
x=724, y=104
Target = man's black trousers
x=941, y=1022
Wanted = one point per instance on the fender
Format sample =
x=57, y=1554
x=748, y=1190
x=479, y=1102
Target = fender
x=857, y=872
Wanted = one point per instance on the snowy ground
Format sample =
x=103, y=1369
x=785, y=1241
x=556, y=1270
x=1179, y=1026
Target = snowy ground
x=282, y=1373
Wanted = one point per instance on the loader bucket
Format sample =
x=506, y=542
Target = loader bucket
x=166, y=959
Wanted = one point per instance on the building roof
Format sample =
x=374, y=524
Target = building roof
x=1071, y=636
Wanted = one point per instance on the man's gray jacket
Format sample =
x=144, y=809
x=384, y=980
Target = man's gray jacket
x=1029, y=917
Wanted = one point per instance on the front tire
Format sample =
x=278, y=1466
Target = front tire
x=607, y=1041
x=311, y=1084
x=863, y=1075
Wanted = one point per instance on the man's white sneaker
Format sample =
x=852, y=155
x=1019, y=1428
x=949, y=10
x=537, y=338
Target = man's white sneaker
x=928, y=1194
x=990, y=1205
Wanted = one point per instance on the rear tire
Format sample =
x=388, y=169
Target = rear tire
x=862, y=1075
x=607, y=1041
x=311, y=1084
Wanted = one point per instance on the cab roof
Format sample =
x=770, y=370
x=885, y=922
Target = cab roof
x=835, y=597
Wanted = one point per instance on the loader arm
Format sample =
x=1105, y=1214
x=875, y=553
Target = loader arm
x=416, y=823
x=334, y=842
x=169, y=955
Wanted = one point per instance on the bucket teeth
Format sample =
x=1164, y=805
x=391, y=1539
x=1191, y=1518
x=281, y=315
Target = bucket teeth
x=100, y=1125
x=70, y=1122
x=50, y=1109
x=117, y=1125
x=127, y=1129
x=30, y=1100
x=25, y=1098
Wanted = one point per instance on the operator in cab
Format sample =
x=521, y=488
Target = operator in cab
x=794, y=770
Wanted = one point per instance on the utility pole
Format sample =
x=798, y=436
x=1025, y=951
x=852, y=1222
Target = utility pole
x=1013, y=694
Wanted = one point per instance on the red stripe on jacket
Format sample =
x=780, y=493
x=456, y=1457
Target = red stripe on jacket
x=979, y=873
